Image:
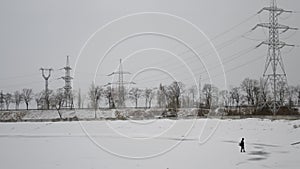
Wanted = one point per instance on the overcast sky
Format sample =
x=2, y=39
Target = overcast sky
x=41, y=33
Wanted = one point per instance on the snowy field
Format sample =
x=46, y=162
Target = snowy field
x=150, y=144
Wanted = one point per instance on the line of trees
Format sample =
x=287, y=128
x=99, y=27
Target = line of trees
x=253, y=93
x=250, y=92
x=24, y=96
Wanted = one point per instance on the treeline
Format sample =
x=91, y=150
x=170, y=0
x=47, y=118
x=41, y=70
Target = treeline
x=50, y=100
x=18, y=97
x=250, y=92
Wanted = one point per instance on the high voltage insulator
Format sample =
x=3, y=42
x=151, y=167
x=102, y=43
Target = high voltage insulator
x=274, y=71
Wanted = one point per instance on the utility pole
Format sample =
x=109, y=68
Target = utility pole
x=274, y=71
x=120, y=83
x=68, y=100
x=46, y=77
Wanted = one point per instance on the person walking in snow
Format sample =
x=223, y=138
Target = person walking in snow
x=242, y=144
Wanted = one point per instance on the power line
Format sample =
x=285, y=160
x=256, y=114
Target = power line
x=290, y=36
x=225, y=32
x=216, y=75
x=233, y=27
x=252, y=38
x=240, y=66
x=222, y=45
x=287, y=17
x=236, y=67
x=260, y=20
x=229, y=59
x=193, y=58
x=26, y=83
x=216, y=66
x=20, y=76
x=20, y=84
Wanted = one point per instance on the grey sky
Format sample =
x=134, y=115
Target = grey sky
x=35, y=33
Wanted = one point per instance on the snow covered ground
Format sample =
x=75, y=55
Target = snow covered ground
x=151, y=144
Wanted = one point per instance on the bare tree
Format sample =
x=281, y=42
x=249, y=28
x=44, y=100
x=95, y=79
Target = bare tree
x=263, y=90
x=38, y=99
x=193, y=90
x=27, y=95
x=207, y=91
x=225, y=98
x=43, y=100
x=210, y=93
x=2, y=100
x=283, y=91
x=292, y=96
x=56, y=100
x=152, y=95
x=83, y=100
x=161, y=96
x=79, y=99
x=134, y=95
x=256, y=93
x=108, y=94
x=235, y=94
x=185, y=100
x=249, y=86
x=173, y=93
x=298, y=95
x=95, y=93
x=18, y=99
x=7, y=100
x=148, y=94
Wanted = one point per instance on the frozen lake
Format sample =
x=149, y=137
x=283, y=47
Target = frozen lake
x=152, y=144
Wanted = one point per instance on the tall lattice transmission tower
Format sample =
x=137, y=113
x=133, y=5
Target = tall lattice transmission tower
x=274, y=71
x=120, y=84
x=68, y=99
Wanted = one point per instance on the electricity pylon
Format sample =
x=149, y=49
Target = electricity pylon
x=46, y=77
x=120, y=83
x=68, y=99
x=274, y=71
